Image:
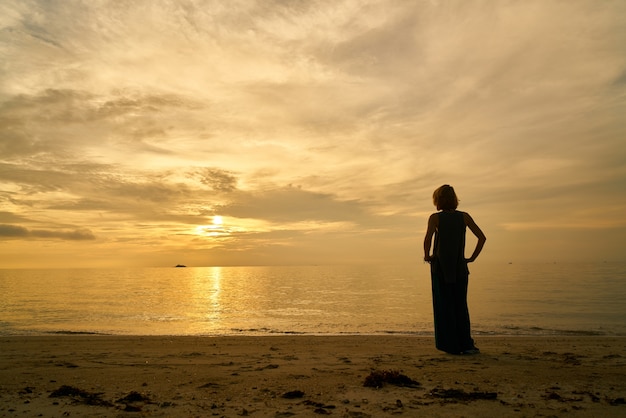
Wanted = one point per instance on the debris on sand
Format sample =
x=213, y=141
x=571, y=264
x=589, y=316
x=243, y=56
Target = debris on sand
x=378, y=378
x=79, y=395
x=461, y=395
x=134, y=401
x=294, y=394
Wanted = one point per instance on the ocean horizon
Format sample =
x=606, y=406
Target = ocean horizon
x=504, y=299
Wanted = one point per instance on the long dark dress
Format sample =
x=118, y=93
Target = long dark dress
x=449, y=274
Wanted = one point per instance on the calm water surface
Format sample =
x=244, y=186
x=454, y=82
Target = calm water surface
x=535, y=299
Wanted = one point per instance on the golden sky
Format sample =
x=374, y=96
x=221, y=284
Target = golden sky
x=154, y=132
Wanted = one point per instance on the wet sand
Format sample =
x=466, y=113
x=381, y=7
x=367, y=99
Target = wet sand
x=309, y=376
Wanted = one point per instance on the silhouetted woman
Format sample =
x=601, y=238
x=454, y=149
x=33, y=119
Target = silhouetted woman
x=449, y=272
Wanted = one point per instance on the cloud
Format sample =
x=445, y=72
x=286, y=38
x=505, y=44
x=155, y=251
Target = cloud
x=218, y=180
x=187, y=197
x=10, y=217
x=16, y=232
x=13, y=231
x=66, y=122
x=289, y=204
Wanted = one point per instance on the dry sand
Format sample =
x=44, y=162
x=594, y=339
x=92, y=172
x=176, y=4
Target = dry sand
x=306, y=376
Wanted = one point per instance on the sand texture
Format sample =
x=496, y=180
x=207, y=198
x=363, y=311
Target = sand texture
x=310, y=376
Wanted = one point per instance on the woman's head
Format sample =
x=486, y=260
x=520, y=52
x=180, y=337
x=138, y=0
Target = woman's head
x=444, y=198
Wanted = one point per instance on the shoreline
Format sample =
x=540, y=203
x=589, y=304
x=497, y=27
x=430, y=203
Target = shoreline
x=535, y=333
x=308, y=375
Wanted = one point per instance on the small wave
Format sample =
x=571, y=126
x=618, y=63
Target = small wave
x=539, y=331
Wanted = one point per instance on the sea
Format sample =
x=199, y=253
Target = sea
x=534, y=299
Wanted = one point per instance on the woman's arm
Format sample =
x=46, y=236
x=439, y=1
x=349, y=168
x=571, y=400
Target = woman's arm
x=479, y=234
x=432, y=227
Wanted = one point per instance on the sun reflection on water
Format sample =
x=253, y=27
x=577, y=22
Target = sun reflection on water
x=207, y=290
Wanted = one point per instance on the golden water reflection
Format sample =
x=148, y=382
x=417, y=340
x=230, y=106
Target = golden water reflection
x=314, y=299
x=206, y=295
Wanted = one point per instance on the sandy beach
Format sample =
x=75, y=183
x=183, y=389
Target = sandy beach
x=301, y=376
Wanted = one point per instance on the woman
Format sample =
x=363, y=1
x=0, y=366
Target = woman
x=449, y=272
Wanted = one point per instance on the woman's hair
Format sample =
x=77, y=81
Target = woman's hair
x=444, y=198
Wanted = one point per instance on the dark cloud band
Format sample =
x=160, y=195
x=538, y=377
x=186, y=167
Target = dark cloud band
x=19, y=232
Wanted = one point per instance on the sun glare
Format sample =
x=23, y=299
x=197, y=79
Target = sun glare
x=216, y=229
x=229, y=227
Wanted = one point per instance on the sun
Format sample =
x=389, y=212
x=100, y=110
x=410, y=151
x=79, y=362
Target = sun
x=215, y=229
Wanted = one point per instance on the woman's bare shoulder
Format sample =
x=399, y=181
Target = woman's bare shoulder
x=468, y=219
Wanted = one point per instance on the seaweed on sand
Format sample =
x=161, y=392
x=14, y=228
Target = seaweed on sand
x=378, y=378
x=79, y=395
